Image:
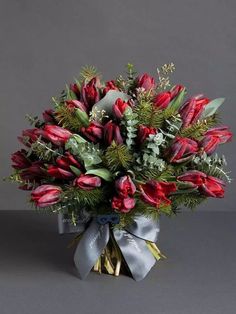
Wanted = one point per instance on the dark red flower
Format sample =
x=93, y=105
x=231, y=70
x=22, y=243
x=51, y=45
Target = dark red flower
x=46, y=195
x=214, y=137
x=48, y=116
x=192, y=109
x=75, y=89
x=55, y=134
x=207, y=185
x=155, y=193
x=110, y=85
x=90, y=92
x=123, y=205
x=29, y=136
x=119, y=108
x=182, y=149
x=73, y=104
x=175, y=90
x=34, y=173
x=112, y=133
x=19, y=159
x=125, y=186
x=59, y=173
x=87, y=182
x=146, y=81
x=144, y=132
x=94, y=132
x=66, y=161
x=162, y=100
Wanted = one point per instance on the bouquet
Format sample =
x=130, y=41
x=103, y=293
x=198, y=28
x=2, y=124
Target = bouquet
x=111, y=157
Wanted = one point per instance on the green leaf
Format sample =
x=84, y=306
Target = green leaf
x=82, y=116
x=178, y=100
x=75, y=170
x=102, y=173
x=212, y=107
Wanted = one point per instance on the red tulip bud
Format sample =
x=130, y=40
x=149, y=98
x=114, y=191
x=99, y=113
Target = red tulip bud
x=182, y=149
x=87, y=182
x=90, y=92
x=66, y=161
x=147, y=82
x=55, y=134
x=176, y=90
x=112, y=133
x=20, y=160
x=110, y=85
x=125, y=186
x=48, y=116
x=59, y=173
x=73, y=104
x=144, y=132
x=46, y=195
x=119, y=108
x=162, y=100
x=123, y=205
x=94, y=132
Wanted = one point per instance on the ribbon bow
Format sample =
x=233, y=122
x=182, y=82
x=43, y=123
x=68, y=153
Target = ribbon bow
x=96, y=233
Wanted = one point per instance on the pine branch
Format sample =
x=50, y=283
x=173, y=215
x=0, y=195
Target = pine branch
x=44, y=151
x=197, y=130
x=67, y=118
x=117, y=157
x=88, y=72
x=189, y=200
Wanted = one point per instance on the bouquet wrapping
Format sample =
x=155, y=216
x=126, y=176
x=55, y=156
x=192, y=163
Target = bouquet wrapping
x=111, y=157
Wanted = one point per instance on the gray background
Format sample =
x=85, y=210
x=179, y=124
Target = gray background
x=45, y=43
x=43, y=46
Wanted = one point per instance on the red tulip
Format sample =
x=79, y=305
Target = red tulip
x=123, y=205
x=90, y=92
x=125, y=186
x=75, y=89
x=59, y=173
x=176, y=90
x=192, y=109
x=110, y=85
x=46, y=195
x=66, y=161
x=162, y=100
x=48, y=116
x=155, y=193
x=119, y=108
x=55, y=134
x=87, y=182
x=144, y=132
x=73, y=104
x=182, y=149
x=29, y=136
x=20, y=160
x=146, y=82
x=207, y=185
x=112, y=133
x=214, y=137
x=94, y=132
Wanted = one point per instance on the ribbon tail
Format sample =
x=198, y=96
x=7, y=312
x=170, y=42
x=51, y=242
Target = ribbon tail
x=145, y=228
x=135, y=252
x=90, y=247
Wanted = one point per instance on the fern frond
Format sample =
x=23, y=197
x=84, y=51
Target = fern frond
x=197, y=130
x=88, y=72
x=117, y=157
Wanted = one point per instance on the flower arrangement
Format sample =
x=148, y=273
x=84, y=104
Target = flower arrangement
x=111, y=157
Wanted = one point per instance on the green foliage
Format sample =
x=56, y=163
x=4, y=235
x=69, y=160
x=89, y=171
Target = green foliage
x=117, y=157
x=130, y=122
x=43, y=151
x=197, y=130
x=74, y=198
x=67, y=94
x=34, y=121
x=189, y=200
x=15, y=177
x=89, y=153
x=88, y=72
x=71, y=119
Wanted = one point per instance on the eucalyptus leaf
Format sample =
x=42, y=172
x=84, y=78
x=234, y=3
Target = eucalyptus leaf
x=212, y=107
x=101, y=172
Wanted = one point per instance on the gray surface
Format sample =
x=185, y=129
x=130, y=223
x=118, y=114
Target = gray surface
x=37, y=275
x=44, y=44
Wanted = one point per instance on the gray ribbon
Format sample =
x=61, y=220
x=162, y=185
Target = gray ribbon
x=131, y=241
